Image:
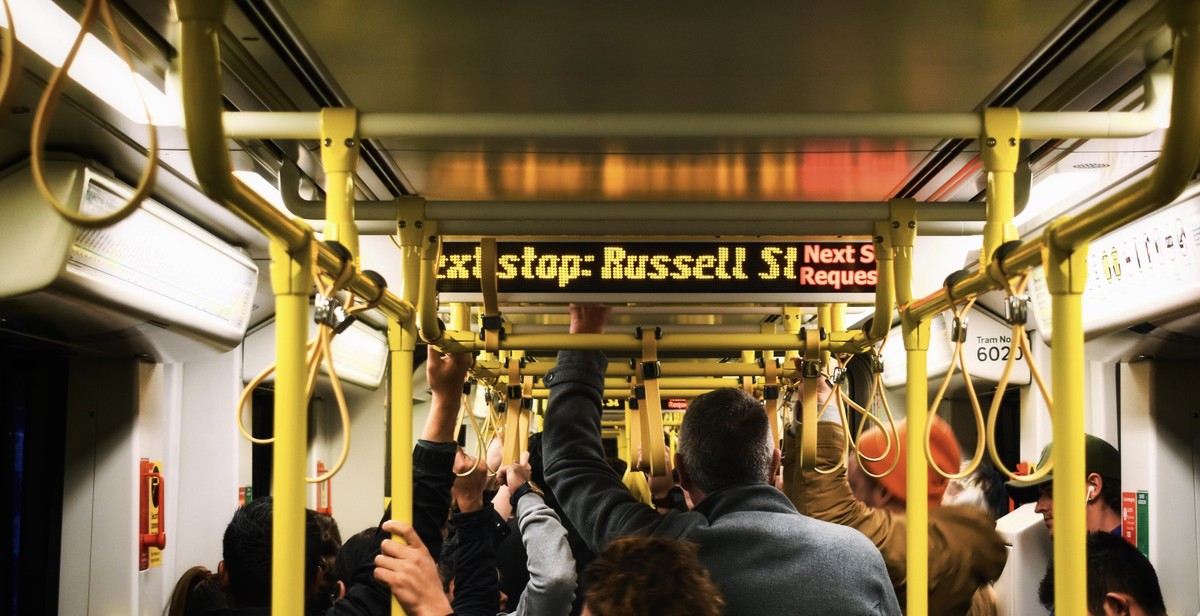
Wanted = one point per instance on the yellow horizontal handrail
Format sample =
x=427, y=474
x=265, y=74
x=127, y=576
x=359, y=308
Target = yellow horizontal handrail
x=669, y=369
x=200, y=71
x=1176, y=164
x=838, y=342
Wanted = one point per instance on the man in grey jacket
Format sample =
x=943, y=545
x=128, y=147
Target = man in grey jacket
x=767, y=558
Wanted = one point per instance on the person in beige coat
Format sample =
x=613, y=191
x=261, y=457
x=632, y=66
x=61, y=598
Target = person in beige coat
x=965, y=553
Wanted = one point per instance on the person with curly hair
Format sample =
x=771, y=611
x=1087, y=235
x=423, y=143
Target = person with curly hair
x=650, y=576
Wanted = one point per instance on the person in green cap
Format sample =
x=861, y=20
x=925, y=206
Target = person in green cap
x=1103, y=464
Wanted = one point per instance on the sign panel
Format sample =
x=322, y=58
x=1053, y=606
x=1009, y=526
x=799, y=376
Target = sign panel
x=1143, y=522
x=1137, y=273
x=986, y=352
x=812, y=271
x=1129, y=517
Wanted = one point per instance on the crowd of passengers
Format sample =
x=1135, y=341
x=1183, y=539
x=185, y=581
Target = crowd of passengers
x=735, y=527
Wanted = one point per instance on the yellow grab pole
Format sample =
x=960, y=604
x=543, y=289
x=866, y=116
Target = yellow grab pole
x=1001, y=153
x=748, y=381
x=1066, y=277
x=339, y=156
x=793, y=319
x=200, y=23
x=402, y=342
x=838, y=318
x=291, y=281
x=916, y=345
x=460, y=317
x=885, y=282
x=825, y=322
x=1176, y=165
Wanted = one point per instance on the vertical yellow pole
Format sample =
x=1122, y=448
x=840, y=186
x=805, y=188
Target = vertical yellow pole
x=1001, y=153
x=825, y=321
x=402, y=342
x=885, y=283
x=339, y=156
x=916, y=344
x=1066, y=276
x=837, y=319
x=792, y=320
x=771, y=405
x=623, y=439
x=748, y=381
x=460, y=317
x=291, y=281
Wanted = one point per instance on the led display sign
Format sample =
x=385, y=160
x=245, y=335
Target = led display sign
x=721, y=271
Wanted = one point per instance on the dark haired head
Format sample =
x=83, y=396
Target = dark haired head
x=330, y=545
x=355, y=552
x=725, y=440
x=198, y=591
x=246, y=549
x=1113, y=566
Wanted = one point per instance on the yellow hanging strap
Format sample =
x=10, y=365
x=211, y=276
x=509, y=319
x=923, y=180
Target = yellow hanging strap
x=876, y=398
x=464, y=408
x=45, y=111
x=484, y=435
x=835, y=377
x=633, y=417
x=515, y=441
x=331, y=320
x=810, y=371
x=771, y=396
x=526, y=415
x=491, y=322
x=654, y=453
x=1016, y=313
x=8, y=63
x=958, y=333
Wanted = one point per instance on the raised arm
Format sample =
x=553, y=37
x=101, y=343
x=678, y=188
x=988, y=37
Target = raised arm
x=476, y=587
x=551, y=566
x=590, y=492
x=434, y=454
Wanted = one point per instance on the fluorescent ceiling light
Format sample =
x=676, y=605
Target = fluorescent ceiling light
x=49, y=31
x=1052, y=191
x=360, y=355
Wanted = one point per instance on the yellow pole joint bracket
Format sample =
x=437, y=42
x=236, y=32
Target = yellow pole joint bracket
x=1001, y=139
x=916, y=335
x=792, y=319
x=902, y=222
x=903, y=228
x=1001, y=153
x=292, y=273
x=885, y=281
x=339, y=155
x=1066, y=268
x=410, y=222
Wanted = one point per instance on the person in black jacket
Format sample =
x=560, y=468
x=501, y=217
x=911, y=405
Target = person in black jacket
x=436, y=458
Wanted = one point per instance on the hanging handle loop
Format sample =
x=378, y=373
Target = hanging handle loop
x=45, y=111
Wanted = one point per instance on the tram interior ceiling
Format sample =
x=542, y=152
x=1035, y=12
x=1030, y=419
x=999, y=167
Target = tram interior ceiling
x=981, y=211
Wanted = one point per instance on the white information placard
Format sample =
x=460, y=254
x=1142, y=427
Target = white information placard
x=1148, y=269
